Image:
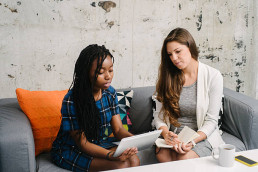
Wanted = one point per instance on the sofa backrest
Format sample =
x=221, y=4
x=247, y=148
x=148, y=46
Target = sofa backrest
x=141, y=108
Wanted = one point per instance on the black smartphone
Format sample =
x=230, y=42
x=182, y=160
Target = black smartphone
x=246, y=161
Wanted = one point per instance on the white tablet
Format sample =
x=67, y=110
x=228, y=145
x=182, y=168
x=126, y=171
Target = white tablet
x=141, y=141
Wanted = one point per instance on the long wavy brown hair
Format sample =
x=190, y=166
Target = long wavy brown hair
x=170, y=78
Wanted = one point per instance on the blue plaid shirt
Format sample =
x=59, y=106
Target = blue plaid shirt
x=107, y=105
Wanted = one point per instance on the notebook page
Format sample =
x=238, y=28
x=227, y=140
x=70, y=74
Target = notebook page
x=161, y=143
x=187, y=135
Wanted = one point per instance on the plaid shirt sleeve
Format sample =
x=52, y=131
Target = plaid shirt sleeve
x=115, y=107
x=69, y=118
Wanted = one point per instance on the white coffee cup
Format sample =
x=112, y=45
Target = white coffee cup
x=226, y=156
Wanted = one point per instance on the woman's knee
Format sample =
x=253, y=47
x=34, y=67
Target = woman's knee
x=131, y=162
x=134, y=161
x=159, y=154
x=161, y=158
x=182, y=157
x=164, y=155
x=188, y=155
x=122, y=164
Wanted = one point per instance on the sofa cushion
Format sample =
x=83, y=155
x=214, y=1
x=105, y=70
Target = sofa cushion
x=230, y=139
x=43, y=110
x=141, y=112
x=221, y=112
x=124, y=104
x=44, y=162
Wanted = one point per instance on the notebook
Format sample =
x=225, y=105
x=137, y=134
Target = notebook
x=141, y=141
x=186, y=135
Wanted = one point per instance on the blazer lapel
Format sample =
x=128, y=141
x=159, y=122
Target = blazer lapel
x=200, y=95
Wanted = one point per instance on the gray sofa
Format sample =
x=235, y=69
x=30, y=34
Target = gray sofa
x=17, y=152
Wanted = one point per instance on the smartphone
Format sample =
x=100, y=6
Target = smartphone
x=246, y=161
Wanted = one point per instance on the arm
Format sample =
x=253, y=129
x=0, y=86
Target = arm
x=215, y=92
x=161, y=125
x=88, y=147
x=97, y=151
x=169, y=136
x=201, y=137
x=118, y=129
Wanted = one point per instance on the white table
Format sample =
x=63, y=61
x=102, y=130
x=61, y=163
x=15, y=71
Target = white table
x=206, y=164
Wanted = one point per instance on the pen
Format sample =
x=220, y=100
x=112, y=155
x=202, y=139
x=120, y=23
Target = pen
x=175, y=130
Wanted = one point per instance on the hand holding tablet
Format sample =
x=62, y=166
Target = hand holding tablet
x=141, y=142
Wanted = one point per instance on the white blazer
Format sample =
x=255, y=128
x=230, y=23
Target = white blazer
x=209, y=95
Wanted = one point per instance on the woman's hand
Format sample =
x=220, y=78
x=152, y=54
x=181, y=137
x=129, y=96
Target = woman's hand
x=125, y=155
x=171, y=138
x=183, y=148
x=187, y=147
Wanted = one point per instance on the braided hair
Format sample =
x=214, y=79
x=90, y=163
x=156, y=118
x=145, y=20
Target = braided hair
x=82, y=86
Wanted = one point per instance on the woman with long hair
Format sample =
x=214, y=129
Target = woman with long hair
x=88, y=108
x=189, y=94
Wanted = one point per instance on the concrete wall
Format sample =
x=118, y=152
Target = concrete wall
x=40, y=40
x=255, y=52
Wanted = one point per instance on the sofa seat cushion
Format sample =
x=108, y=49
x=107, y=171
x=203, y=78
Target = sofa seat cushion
x=44, y=163
x=230, y=139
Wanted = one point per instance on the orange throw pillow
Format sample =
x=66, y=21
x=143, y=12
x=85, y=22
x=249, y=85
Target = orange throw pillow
x=43, y=108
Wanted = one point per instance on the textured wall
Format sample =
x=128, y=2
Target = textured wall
x=254, y=54
x=41, y=39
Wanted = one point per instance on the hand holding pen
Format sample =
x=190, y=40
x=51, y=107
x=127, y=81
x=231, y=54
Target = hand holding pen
x=175, y=130
x=171, y=138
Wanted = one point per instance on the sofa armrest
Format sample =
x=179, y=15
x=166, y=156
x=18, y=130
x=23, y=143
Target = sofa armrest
x=241, y=117
x=16, y=141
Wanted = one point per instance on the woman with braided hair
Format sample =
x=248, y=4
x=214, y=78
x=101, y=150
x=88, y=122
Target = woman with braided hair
x=88, y=108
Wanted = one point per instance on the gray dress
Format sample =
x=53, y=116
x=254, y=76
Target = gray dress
x=187, y=104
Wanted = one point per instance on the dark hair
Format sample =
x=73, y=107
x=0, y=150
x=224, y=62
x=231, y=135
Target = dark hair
x=170, y=78
x=82, y=87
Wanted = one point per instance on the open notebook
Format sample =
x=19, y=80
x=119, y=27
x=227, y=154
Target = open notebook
x=186, y=135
